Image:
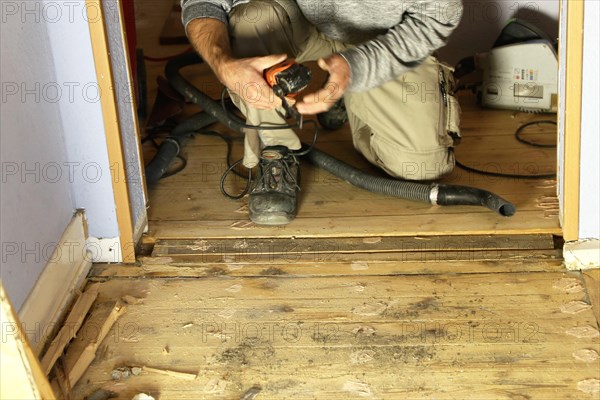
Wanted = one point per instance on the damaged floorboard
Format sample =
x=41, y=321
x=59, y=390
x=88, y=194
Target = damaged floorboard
x=343, y=256
x=444, y=336
x=249, y=246
x=345, y=265
x=468, y=317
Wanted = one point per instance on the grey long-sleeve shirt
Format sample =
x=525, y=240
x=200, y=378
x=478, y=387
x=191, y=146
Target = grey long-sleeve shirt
x=390, y=36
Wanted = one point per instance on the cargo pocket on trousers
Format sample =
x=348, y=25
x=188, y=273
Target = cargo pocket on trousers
x=404, y=163
x=451, y=104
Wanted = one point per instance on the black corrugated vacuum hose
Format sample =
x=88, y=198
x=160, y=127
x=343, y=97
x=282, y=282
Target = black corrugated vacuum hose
x=433, y=193
x=193, y=95
x=171, y=147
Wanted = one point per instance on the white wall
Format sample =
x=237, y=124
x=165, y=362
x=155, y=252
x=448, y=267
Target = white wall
x=50, y=123
x=35, y=206
x=589, y=225
x=483, y=20
x=67, y=24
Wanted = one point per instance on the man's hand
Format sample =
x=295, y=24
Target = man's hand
x=324, y=99
x=245, y=78
x=242, y=76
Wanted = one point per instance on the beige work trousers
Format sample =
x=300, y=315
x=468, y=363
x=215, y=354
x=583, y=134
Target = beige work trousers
x=401, y=126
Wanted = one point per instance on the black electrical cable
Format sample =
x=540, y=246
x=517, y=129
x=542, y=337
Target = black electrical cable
x=243, y=124
x=519, y=132
x=184, y=163
x=231, y=167
x=518, y=136
x=211, y=110
x=224, y=179
x=152, y=137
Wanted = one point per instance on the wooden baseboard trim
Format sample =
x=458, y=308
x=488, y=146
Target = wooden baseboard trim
x=582, y=255
x=56, y=287
x=22, y=377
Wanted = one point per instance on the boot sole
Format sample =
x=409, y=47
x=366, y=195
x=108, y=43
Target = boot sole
x=272, y=219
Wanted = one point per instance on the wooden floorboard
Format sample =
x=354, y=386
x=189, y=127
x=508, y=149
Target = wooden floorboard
x=190, y=204
x=447, y=224
x=469, y=336
x=327, y=263
x=195, y=196
x=225, y=247
x=592, y=281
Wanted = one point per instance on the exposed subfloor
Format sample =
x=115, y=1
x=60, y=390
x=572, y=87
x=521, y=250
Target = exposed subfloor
x=486, y=327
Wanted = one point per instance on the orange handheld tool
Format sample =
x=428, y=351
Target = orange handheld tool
x=288, y=78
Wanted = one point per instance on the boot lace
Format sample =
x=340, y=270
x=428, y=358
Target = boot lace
x=277, y=175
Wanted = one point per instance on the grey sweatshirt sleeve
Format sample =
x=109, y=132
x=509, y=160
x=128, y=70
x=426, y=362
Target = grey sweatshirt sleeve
x=425, y=27
x=217, y=9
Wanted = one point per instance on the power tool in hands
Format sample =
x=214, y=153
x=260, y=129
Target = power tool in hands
x=287, y=80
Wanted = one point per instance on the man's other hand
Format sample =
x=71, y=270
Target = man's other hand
x=245, y=78
x=324, y=99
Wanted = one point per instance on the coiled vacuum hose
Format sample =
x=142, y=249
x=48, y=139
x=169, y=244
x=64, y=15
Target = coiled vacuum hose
x=170, y=148
x=192, y=94
x=213, y=112
x=439, y=194
x=434, y=193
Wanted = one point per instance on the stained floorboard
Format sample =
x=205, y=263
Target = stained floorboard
x=467, y=336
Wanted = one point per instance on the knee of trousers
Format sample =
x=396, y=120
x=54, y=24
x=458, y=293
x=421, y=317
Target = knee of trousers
x=426, y=156
x=263, y=27
x=412, y=165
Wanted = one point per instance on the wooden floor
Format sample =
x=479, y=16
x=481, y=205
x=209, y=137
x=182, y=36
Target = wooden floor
x=190, y=205
x=484, y=327
x=362, y=296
